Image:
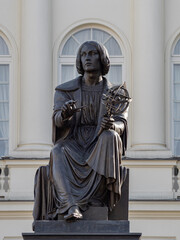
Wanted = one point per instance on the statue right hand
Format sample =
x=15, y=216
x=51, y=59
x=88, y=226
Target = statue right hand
x=107, y=123
x=68, y=109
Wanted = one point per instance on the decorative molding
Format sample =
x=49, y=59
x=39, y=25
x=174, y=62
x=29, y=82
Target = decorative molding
x=145, y=163
x=142, y=153
x=22, y=163
x=158, y=238
x=137, y=210
x=139, y=163
x=154, y=210
x=16, y=215
x=13, y=238
x=155, y=215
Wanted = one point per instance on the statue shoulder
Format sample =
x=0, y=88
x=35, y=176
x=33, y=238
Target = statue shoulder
x=71, y=85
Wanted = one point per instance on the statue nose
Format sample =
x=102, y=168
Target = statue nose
x=88, y=56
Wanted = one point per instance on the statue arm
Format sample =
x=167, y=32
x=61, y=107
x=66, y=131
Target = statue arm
x=60, y=98
x=118, y=126
x=122, y=128
x=120, y=122
x=58, y=119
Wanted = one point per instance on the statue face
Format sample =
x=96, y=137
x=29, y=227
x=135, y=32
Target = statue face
x=90, y=58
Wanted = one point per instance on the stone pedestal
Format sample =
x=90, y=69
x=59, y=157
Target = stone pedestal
x=82, y=229
x=97, y=223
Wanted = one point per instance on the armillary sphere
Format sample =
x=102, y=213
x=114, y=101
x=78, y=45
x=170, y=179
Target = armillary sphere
x=116, y=100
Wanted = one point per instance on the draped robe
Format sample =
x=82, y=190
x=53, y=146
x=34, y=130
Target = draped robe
x=85, y=166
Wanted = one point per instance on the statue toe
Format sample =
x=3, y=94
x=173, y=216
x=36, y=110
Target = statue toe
x=73, y=214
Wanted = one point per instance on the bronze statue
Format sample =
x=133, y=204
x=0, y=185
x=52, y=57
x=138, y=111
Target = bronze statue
x=84, y=167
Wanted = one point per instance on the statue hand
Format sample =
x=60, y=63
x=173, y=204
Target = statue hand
x=107, y=123
x=68, y=109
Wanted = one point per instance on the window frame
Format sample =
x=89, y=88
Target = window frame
x=14, y=91
x=175, y=60
x=7, y=60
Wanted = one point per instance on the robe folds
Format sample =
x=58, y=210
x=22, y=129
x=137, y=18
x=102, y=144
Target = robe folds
x=85, y=166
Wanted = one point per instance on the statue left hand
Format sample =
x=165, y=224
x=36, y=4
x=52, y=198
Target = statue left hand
x=107, y=123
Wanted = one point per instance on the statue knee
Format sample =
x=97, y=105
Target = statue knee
x=56, y=151
x=111, y=136
x=110, y=133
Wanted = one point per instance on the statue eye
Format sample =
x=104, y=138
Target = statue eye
x=94, y=52
x=83, y=54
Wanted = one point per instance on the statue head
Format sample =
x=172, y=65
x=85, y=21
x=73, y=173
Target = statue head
x=103, y=57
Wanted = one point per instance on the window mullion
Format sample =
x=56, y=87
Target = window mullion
x=107, y=39
x=76, y=39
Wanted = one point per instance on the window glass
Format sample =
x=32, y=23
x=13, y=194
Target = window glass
x=83, y=35
x=3, y=47
x=176, y=73
x=177, y=130
x=177, y=147
x=4, y=92
x=4, y=130
x=70, y=47
x=4, y=100
x=177, y=92
x=176, y=115
x=177, y=111
x=115, y=74
x=4, y=147
x=4, y=110
x=67, y=72
x=100, y=36
x=177, y=48
x=4, y=73
x=113, y=47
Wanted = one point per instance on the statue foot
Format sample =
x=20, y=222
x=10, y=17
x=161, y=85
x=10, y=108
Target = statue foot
x=73, y=214
x=95, y=203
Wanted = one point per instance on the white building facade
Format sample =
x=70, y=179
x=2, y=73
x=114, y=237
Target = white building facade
x=38, y=44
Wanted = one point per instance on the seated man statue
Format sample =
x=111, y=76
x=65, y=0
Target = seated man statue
x=84, y=168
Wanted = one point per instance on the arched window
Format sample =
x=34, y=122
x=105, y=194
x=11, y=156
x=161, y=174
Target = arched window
x=176, y=97
x=4, y=98
x=67, y=54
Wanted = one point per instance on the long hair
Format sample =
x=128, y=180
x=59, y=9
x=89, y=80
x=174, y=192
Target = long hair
x=104, y=57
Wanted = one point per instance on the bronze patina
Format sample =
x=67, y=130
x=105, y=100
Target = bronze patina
x=90, y=137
